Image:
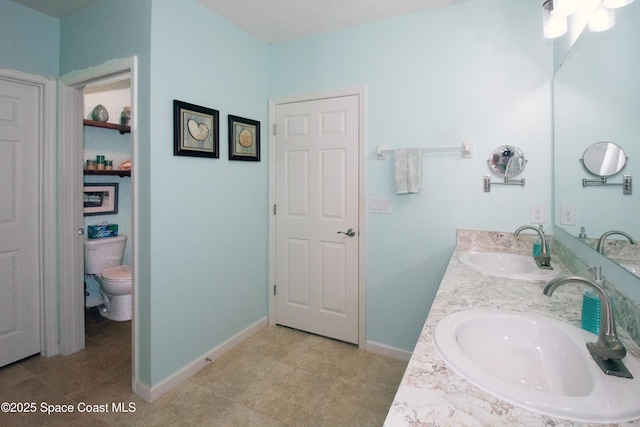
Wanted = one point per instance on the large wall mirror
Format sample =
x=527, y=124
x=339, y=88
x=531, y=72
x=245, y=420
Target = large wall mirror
x=596, y=99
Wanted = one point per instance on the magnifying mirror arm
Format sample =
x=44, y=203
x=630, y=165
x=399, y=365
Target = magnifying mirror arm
x=507, y=181
x=626, y=183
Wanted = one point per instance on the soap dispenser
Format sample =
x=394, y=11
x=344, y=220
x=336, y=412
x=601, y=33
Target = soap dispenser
x=591, y=304
x=583, y=235
x=537, y=244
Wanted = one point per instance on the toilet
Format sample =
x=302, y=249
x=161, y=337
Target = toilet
x=103, y=259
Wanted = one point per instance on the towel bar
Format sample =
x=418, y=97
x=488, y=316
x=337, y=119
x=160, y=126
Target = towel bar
x=466, y=150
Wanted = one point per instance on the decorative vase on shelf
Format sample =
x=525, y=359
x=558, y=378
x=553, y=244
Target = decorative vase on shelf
x=99, y=113
x=125, y=116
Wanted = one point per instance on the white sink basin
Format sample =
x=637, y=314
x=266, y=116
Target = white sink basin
x=538, y=364
x=501, y=264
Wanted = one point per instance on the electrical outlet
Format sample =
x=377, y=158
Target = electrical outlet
x=567, y=215
x=537, y=214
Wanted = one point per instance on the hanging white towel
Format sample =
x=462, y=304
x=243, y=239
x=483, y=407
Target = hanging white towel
x=408, y=170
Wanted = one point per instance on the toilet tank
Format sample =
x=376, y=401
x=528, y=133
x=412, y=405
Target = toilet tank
x=103, y=253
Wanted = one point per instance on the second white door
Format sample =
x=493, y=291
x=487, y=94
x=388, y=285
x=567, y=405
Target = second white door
x=317, y=229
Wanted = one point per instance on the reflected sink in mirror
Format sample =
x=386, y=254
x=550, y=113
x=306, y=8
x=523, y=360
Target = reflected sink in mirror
x=634, y=269
x=502, y=264
x=536, y=363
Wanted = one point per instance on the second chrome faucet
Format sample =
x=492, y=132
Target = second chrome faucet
x=544, y=259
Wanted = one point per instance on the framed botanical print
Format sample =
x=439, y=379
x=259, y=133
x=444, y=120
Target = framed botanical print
x=244, y=139
x=195, y=130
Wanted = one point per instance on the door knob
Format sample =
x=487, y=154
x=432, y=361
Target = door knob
x=349, y=232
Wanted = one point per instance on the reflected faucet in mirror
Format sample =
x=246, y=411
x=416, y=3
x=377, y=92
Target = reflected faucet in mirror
x=608, y=351
x=544, y=259
x=600, y=246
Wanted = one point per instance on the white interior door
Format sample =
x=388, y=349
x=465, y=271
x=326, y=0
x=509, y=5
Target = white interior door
x=317, y=229
x=19, y=221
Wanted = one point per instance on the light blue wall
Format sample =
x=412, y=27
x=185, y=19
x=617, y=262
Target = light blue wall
x=209, y=222
x=477, y=70
x=108, y=30
x=29, y=40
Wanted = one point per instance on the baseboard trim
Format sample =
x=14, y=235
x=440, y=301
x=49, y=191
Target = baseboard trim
x=385, y=350
x=151, y=393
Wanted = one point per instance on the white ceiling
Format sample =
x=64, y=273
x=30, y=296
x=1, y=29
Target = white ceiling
x=275, y=21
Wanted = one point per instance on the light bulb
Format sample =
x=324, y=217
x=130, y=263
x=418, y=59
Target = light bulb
x=566, y=7
x=603, y=19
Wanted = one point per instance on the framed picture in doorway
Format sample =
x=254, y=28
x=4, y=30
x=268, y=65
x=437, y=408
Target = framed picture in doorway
x=100, y=199
x=244, y=139
x=195, y=130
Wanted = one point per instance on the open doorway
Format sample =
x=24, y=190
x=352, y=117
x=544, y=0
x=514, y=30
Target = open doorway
x=71, y=164
x=107, y=190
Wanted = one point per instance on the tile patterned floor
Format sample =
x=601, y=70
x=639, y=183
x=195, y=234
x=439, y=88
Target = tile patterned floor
x=278, y=377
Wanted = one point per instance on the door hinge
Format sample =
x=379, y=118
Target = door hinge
x=274, y=129
x=274, y=289
x=274, y=208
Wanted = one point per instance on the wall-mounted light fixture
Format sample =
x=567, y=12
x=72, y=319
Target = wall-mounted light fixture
x=555, y=12
x=553, y=24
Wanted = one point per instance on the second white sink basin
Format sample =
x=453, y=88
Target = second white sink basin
x=634, y=269
x=536, y=363
x=502, y=264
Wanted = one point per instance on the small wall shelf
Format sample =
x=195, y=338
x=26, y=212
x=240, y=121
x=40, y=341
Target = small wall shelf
x=119, y=173
x=120, y=128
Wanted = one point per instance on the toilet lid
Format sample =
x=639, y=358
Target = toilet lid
x=119, y=273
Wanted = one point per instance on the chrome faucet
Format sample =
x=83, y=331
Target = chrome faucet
x=608, y=351
x=600, y=247
x=543, y=260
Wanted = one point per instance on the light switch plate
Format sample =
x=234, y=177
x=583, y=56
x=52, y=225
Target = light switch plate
x=379, y=205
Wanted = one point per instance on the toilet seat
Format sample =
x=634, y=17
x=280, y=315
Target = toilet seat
x=117, y=274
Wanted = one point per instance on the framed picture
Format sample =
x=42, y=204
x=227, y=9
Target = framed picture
x=195, y=130
x=100, y=199
x=244, y=139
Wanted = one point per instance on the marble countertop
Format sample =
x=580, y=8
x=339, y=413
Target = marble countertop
x=431, y=394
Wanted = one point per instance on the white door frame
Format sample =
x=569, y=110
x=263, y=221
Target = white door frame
x=361, y=93
x=70, y=159
x=46, y=206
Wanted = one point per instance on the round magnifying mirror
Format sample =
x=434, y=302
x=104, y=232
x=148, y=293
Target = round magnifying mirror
x=507, y=161
x=604, y=158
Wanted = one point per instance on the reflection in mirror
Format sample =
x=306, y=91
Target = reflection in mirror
x=597, y=98
x=604, y=159
x=507, y=161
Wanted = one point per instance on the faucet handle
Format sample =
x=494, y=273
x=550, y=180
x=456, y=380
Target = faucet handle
x=597, y=272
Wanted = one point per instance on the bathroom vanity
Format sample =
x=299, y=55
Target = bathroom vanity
x=431, y=393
